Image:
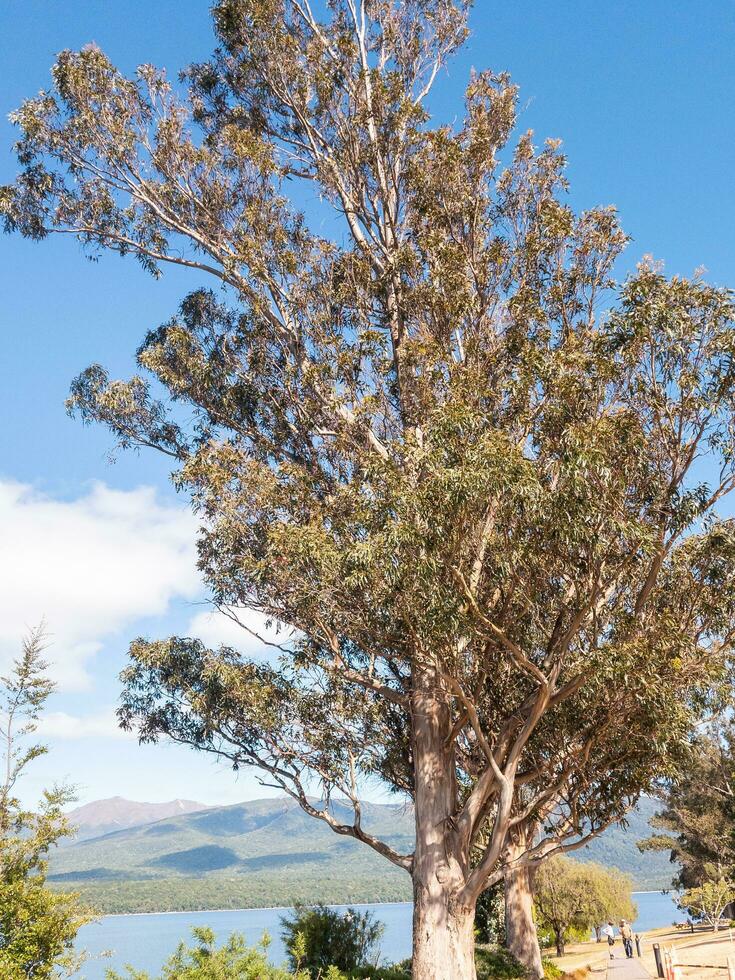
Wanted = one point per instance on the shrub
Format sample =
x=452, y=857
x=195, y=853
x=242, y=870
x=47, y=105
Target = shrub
x=551, y=970
x=233, y=961
x=317, y=937
x=497, y=964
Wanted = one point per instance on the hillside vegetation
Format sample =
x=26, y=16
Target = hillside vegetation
x=268, y=852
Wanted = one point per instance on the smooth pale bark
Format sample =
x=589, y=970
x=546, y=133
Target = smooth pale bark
x=520, y=928
x=443, y=926
x=443, y=936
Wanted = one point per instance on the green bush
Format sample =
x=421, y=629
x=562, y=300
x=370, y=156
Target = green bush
x=497, y=964
x=490, y=915
x=551, y=970
x=234, y=961
x=317, y=937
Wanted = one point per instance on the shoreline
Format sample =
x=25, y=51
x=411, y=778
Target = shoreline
x=252, y=908
x=288, y=908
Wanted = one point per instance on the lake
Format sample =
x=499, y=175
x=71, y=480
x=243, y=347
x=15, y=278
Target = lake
x=145, y=941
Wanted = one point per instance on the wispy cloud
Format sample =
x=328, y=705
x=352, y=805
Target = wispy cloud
x=59, y=724
x=90, y=567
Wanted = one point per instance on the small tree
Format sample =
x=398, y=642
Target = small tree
x=37, y=926
x=708, y=901
x=561, y=889
x=571, y=895
x=317, y=937
x=609, y=898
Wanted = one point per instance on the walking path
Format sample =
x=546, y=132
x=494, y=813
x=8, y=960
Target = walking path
x=621, y=968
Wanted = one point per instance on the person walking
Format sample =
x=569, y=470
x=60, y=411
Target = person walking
x=626, y=934
x=609, y=931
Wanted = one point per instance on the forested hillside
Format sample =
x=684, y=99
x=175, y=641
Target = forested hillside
x=268, y=852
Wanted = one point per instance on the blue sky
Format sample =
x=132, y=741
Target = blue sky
x=640, y=93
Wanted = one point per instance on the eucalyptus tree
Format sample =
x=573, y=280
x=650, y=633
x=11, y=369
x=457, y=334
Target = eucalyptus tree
x=697, y=817
x=439, y=445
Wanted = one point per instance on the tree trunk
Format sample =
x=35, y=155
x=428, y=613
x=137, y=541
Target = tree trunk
x=443, y=928
x=443, y=936
x=598, y=934
x=559, y=936
x=520, y=928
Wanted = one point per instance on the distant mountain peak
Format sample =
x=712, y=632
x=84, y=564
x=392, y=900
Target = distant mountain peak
x=115, y=813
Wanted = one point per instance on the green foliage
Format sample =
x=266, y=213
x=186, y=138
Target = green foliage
x=708, y=901
x=237, y=961
x=551, y=970
x=316, y=937
x=572, y=934
x=698, y=806
x=573, y=897
x=37, y=925
x=204, y=961
x=490, y=915
x=497, y=964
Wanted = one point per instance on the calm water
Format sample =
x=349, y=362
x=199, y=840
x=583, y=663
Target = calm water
x=145, y=941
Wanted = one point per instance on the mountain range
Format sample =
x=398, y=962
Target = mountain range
x=267, y=852
x=108, y=816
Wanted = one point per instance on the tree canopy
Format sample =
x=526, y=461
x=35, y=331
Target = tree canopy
x=441, y=446
x=698, y=814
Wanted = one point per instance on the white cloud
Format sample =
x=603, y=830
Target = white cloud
x=59, y=724
x=89, y=567
x=217, y=629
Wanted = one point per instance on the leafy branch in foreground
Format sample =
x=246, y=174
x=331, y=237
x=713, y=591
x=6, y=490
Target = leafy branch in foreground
x=37, y=926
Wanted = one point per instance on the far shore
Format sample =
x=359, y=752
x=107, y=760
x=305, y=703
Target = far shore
x=250, y=908
x=287, y=908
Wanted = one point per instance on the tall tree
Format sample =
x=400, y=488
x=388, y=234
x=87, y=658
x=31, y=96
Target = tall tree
x=37, y=926
x=441, y=448
x=697, y=818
